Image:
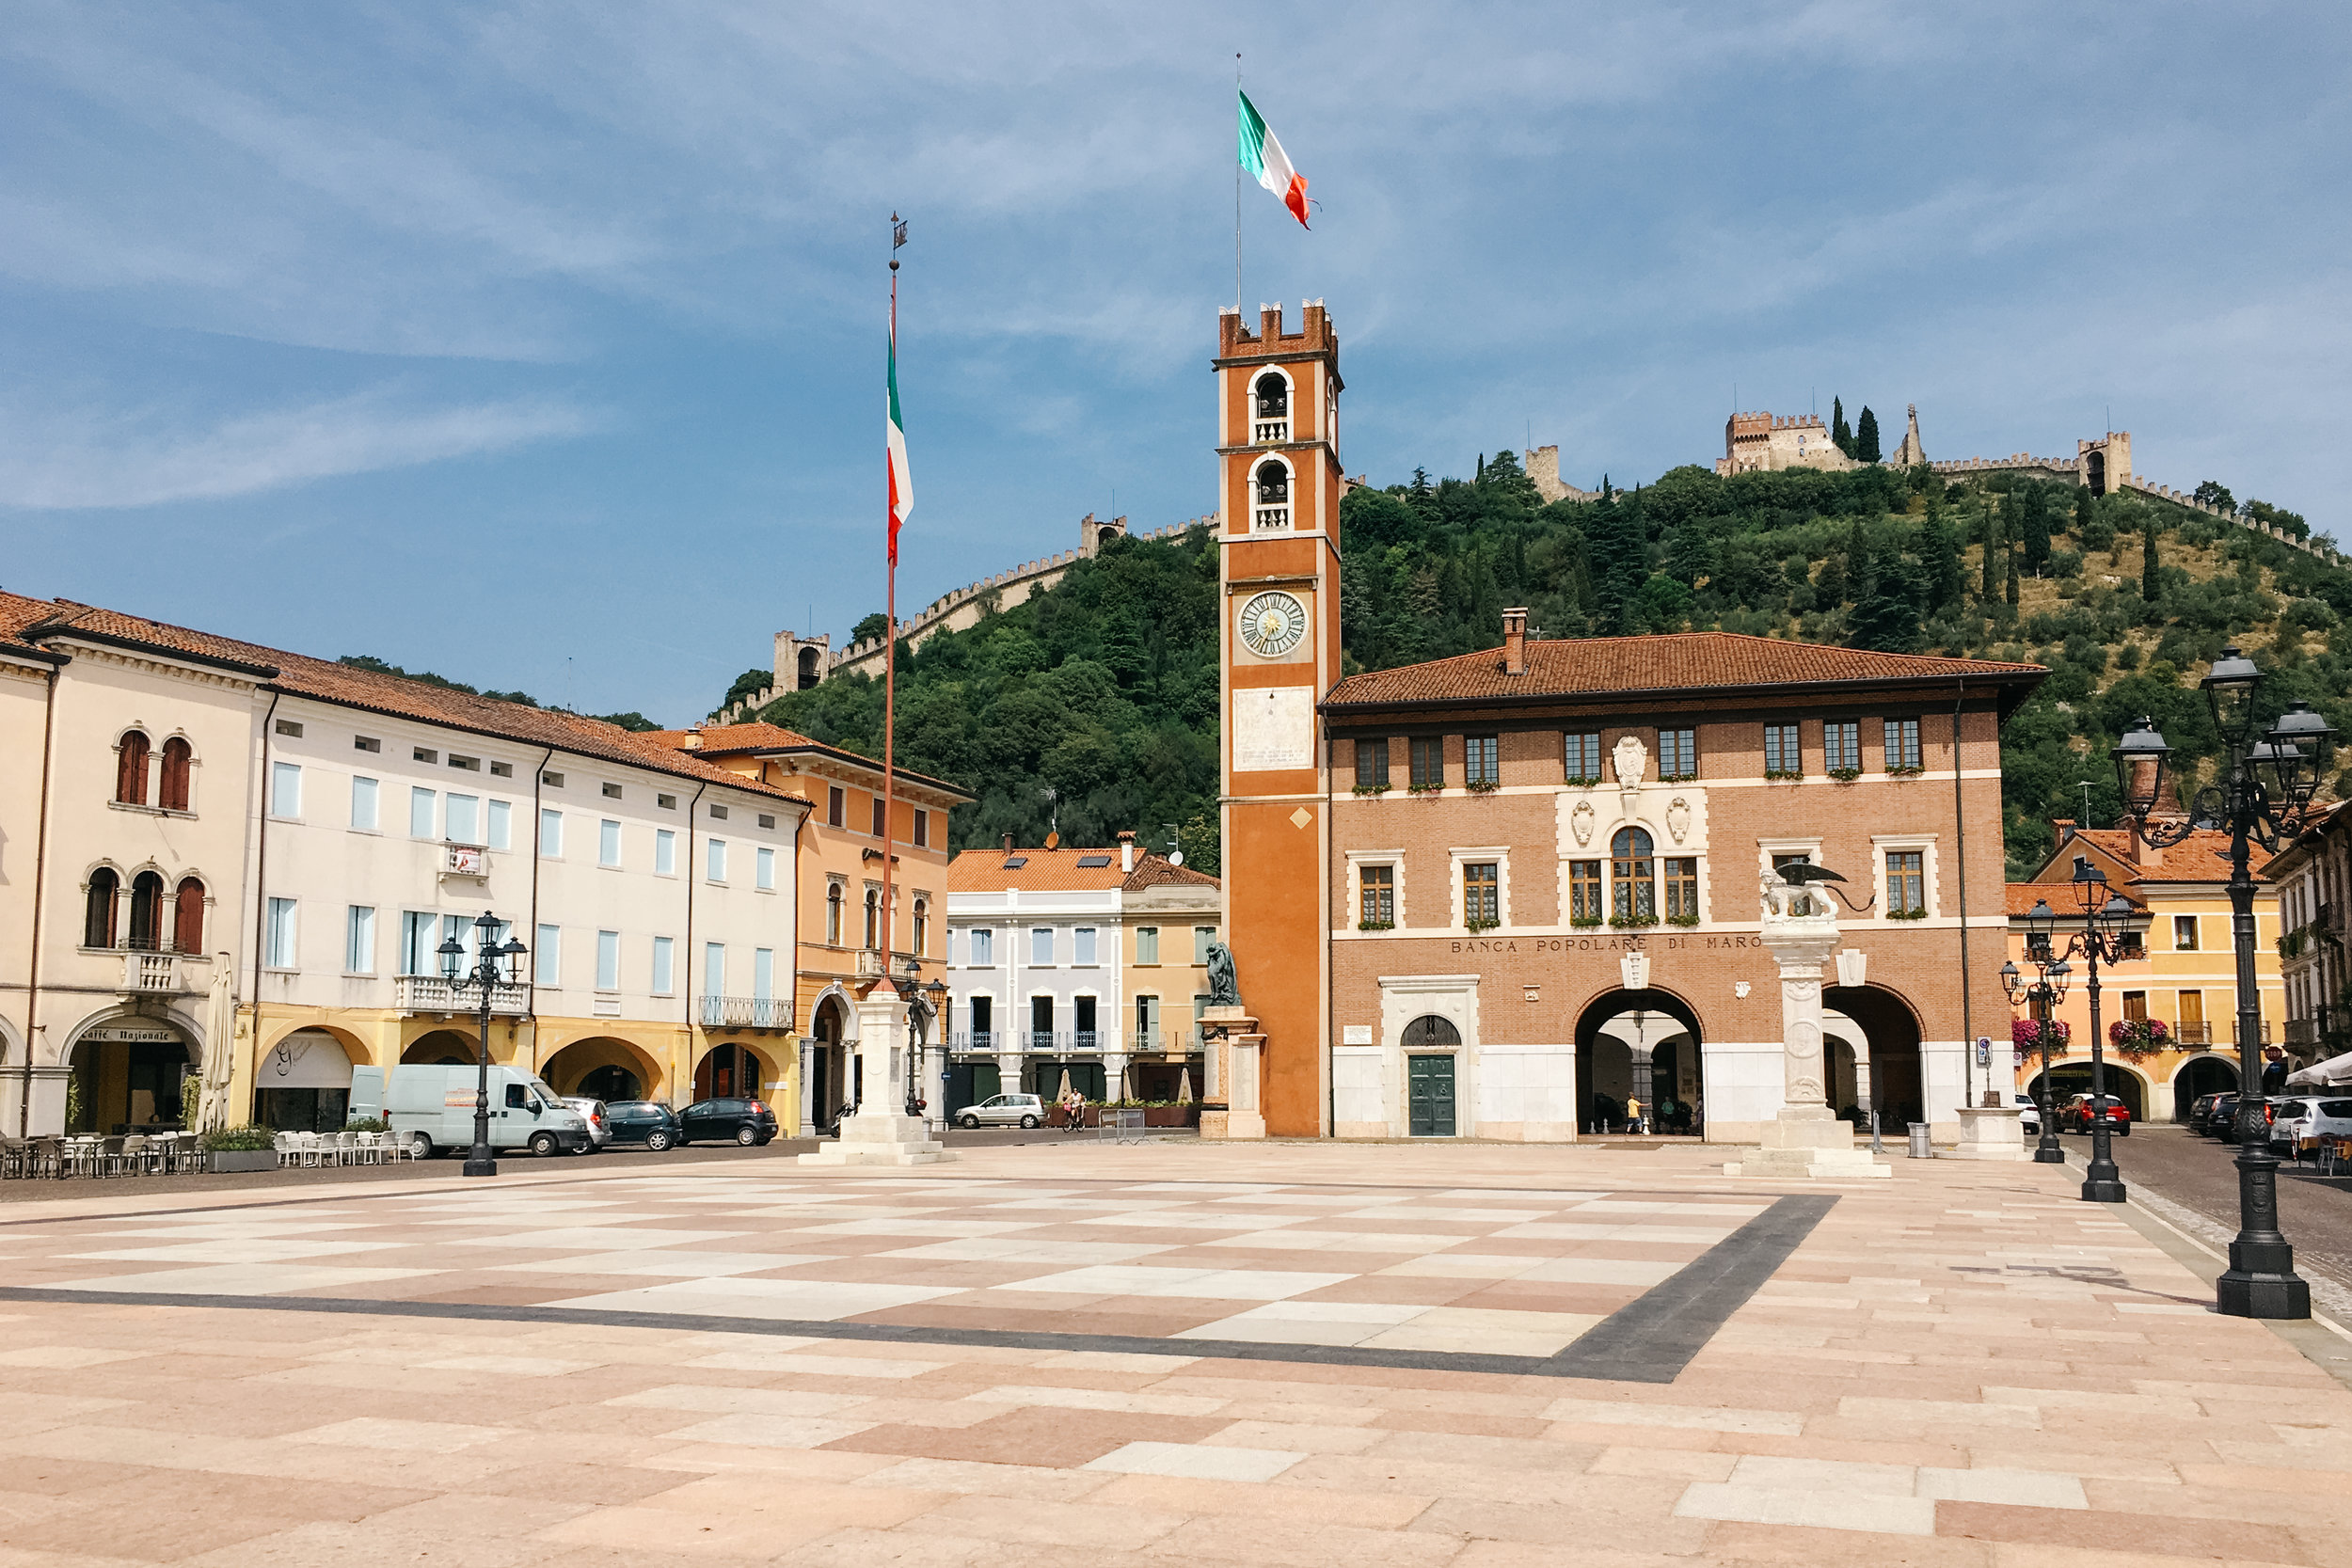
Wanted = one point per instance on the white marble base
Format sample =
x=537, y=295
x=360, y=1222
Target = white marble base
x=1807, y=1143
x=880, y=1138
x=1991, y=1133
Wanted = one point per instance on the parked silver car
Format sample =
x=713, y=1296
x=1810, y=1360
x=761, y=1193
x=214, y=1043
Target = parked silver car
x=1003, y=1110
x=2029, y=1115
x=593, y=1113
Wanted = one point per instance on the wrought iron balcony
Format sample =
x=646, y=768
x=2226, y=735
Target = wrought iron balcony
x=2200, y=1033
x=430, y=993
x=746, y=1012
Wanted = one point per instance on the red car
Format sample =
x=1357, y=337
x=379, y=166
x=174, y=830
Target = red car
x=2076, y=1115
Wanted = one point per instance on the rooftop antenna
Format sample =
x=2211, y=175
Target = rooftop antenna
x=2085, y=786
x=1175, y=854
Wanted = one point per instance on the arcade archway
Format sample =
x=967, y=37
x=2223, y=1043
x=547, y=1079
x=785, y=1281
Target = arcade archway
x=606, y=1067
x=440, y=1048
x=302, y=1084
x=2200, y=1076
x=830, y=1090
x=1640, y=1045
x=2070, y=1078
x=1890, y=1035
x=130, y=1074
x=734, y=1071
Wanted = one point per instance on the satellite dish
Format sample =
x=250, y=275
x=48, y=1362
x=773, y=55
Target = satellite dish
x=1175, y=857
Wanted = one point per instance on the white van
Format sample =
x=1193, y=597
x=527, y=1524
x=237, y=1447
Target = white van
x=433, y=1107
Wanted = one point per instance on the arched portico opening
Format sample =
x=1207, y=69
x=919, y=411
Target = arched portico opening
x=829, y=1088
x=443, y=1047
x=606, y=1067
x=129, y=1074
x=303, y=1082
x=1889, y=1035
x=1640, y=1045
x=731, y=1070
x=2070, y=1078
x=2200, y=1076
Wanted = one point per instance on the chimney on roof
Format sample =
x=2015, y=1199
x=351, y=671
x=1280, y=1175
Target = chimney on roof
x=693, y=741
x=1515, y=642
x=2065, y=826
x=1126, y=853
x=2145, y=856
x=1008, y=844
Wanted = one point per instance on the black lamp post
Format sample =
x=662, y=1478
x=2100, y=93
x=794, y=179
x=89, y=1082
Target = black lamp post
x=2042, y=993
x=2101, y=940
x=492, y=972
x=2265, y=794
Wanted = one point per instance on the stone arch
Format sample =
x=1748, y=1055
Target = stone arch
x=1890, y=1026
x=737, y=1068
x=454, y=1047
x=1271, y=391
x=606, y=1067
x=2072, y=1076
x=2207, y=1073
x=297, y=1086
x=1616, y=1029
x=127, y=1067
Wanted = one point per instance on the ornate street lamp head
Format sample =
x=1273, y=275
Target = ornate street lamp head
x=2040, y=921
x=2056, y=978
x=2313, y=740
x=2112, y=916
x=2229, y=686
x=453, y=954
x=2141, y=759
x=2011, y=981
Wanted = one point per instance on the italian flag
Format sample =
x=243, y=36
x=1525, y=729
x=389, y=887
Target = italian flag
x=1262, y=155
x=901, y=479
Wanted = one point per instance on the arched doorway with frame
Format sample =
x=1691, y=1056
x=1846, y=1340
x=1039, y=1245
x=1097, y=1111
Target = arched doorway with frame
x=130, y=1073
x=1889, y=1030
x=1640, y=1045
x=2197, y=1077
x=829, y=1084
x=2072, y=1076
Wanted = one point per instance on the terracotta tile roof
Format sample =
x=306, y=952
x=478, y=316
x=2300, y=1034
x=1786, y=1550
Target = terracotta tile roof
x=1059, y=871
x=17, y=614
x=755, y=739
x=2202, y=857
x=393, y=695
x=2023, y=896
x=1676, y=662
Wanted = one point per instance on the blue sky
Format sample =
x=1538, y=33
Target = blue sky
x=541, y=344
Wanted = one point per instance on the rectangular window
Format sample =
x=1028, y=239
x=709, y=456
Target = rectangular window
x=611, y=792
x=1203, y=937
x=420, y=754
x=763, y=974
x=551, y=833
x=877, y=817
x=1147, y=1023
x=1581, y=755
x=836, y=807
x=279, y=930
x=1147, y=945
x=2192, y=1030
x=1906, y=881
x=285, y=789
x=764, y=870
x=714, y=969
x=1428, y=762
x=1375, y=897
x=2184, y=933
x=548, y=968
x=1041, y=944
x=420, y=813
x=359, y=940
x=1841, y=746
x=1482, y=759
x=1082, y=950
x=1682, y=888
x=363, y=804
x=2136, y=1007
x=1902, y=743
x=366, y=743
x=415, y=943
x=289, y=727
x=1372, y=763
x=718, y=814
x=553, y=781
x=502, y=770
x=501, y=835
x=469, y=765
x=607, y=961
x=715, y=859
x=664, y=852
x=1481, y=894
x=463, y=818
x=664, y=960
x=1783, y=754
x=607, y=842
x=1677, y=754
x=1585, y=905
x=922, y=830
x=667, y=803
x=983, y=947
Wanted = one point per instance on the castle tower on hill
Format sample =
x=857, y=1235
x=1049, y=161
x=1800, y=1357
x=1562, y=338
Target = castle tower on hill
x=1279, y=484
x=1762, y=442
x=1911, y=454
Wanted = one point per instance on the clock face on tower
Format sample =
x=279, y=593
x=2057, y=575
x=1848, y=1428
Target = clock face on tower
x=1272, y=625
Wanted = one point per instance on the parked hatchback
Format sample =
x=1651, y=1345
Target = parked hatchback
x=2220, y=1117
x=593, y=1112
x=2029, y=1115
x=648, y=1122
x=2300, y=1119
x=744, y=1122
x=2076, y=1114
x=1003, y=1110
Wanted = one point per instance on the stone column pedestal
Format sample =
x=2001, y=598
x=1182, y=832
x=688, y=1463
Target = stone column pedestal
x=1805, y=1141
x=882, y=1134
x=1238, y=1060
x=1995, y=1133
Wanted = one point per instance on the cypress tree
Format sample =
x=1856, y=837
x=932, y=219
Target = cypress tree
x=1839, y=437
x=1939, y=561
x=1988, y=531
x=2150, y=584
x=2037, y=528
x=2012, y=576
x=2083, y=501
x=1865, y=437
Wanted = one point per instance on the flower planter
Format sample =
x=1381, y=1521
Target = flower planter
x=222, y=1160
x=1171, y=1116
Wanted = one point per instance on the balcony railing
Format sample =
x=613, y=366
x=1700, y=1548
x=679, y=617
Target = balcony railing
x=2194, y=1034
x=1274, y=516
x=870, y=963
x=747, y=1012
x=2302, y=1031
x=1269, y=431
x=149, y=973
x=430, y=993
x=1059, y=1042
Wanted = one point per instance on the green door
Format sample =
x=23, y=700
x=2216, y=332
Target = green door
x=1432, y=1099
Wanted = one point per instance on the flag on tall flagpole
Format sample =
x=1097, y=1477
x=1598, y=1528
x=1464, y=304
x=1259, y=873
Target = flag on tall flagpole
x=1262, y=155
x=902, y=479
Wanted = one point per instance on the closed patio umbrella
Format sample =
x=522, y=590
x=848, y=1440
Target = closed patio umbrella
x=1063, y=1093
x=1183, y=1086
x=220, y=1036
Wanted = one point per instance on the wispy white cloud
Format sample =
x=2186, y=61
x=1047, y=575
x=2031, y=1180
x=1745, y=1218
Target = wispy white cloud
x=65, y=462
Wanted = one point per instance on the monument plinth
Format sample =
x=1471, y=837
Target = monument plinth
x=1805, y=1140
x=883, y=1134
x=1235, y=1106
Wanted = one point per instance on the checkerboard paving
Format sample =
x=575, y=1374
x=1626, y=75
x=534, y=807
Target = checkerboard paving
x=1511, y=1272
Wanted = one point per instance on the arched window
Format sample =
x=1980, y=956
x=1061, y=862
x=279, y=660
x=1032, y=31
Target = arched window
x=98, y=917
x=1431, y=1030
x=1274, y=483
x=1274, y=397
x=147, y=912
x=832, y=914
x=188, y=916
x=810, y=675
x=922, y=924
x=131, y=769
x=1632, y=893
x=171, y=791
x=873, y=918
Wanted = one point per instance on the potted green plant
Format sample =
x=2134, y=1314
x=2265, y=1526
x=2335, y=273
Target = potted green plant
x=238, y=1149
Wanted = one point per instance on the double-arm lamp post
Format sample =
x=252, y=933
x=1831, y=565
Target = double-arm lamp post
x=2265, y=795
x=927, y=1006
x=493, y=972
x=2105, y=917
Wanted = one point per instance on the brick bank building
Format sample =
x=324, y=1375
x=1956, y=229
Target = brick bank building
x=1500, y=896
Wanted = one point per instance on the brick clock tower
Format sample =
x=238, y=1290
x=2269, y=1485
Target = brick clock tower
x=1277, y=402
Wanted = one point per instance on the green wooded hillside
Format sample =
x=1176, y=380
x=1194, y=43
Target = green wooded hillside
x=1102, y=691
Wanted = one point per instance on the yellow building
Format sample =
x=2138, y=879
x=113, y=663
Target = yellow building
x=841, y=952
x=2179, y=972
